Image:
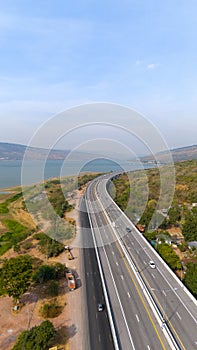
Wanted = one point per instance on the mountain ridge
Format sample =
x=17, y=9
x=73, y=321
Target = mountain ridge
x=15, y=151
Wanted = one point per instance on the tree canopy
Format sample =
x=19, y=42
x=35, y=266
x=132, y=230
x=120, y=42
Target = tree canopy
x=190, y=278
x=169, y=256
x=190, y=226
x=15, y=275
x=36, y=338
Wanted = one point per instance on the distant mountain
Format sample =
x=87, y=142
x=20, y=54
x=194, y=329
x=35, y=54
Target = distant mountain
x=13, y=151
x=184, y=153
x=178, y=154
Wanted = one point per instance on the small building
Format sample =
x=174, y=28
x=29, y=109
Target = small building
x=177, y=239
x=192, y=244
x=163, y=238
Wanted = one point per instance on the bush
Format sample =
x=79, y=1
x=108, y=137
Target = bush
x=51, y=310
x=60, y=270
x=44, y=273
x=3, y=208
x=53, y=288
x=15, y=234
x=27, y=245
x=48, y=246
x=5, y=247
x=36, y=338
x=16, y=275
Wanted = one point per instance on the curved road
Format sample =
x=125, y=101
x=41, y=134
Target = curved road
x=134, y=320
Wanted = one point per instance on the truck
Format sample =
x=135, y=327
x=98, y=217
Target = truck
x=71, y=280
x=69, y=253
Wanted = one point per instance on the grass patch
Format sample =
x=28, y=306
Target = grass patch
x=5, y=247
x=4, y=206
x=15, y=234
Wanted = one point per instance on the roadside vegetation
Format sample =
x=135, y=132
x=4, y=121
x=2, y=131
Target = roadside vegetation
x=33, y=270
x=36, y=338
x=132, y=190
x=4, y=206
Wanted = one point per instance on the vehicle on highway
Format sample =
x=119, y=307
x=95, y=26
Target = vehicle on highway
x=128, y=229
x=100, y=307
x=152, y=264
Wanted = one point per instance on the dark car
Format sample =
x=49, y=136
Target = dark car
x=128, y=229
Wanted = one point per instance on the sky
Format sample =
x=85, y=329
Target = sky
x=59, y=54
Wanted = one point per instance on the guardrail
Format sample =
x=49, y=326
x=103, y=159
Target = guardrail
x=158, y=314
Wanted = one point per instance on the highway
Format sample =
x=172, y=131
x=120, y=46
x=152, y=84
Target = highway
x=98, y=324
x=129, y=279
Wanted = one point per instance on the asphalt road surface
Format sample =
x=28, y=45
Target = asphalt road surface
x=98, y=327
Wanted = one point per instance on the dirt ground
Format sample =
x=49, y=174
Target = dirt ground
x=68, y=324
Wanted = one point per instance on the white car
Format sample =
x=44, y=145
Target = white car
x=152, y=264
x=100, y=307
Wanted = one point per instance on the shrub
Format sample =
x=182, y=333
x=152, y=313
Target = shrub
x=44, y=273
x=53, y=288
x=36, y=338
x=51, y=310
x=27, y=245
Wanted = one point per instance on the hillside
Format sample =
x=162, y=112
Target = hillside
x=13, y=151
x=178, y=154
x=137, y=193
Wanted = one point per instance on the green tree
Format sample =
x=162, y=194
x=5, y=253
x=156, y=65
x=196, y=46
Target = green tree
x=16, y=275
x=60, y=270
x=190, y=226
x=44, y=273
x=48, y=246
x=169, y=256
x=53, y=288
x=36, y=338
x=150, y=235
x=190, y=279
x=174, y=215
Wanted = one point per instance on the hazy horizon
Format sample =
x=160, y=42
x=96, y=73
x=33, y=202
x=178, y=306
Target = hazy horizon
x=139, y=54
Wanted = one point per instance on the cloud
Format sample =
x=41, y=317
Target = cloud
x=152, y=65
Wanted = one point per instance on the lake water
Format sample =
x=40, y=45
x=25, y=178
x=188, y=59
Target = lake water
x=10, y=171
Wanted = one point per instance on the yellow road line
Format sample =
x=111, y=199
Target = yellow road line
x=137, y=288
x=141, y=297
